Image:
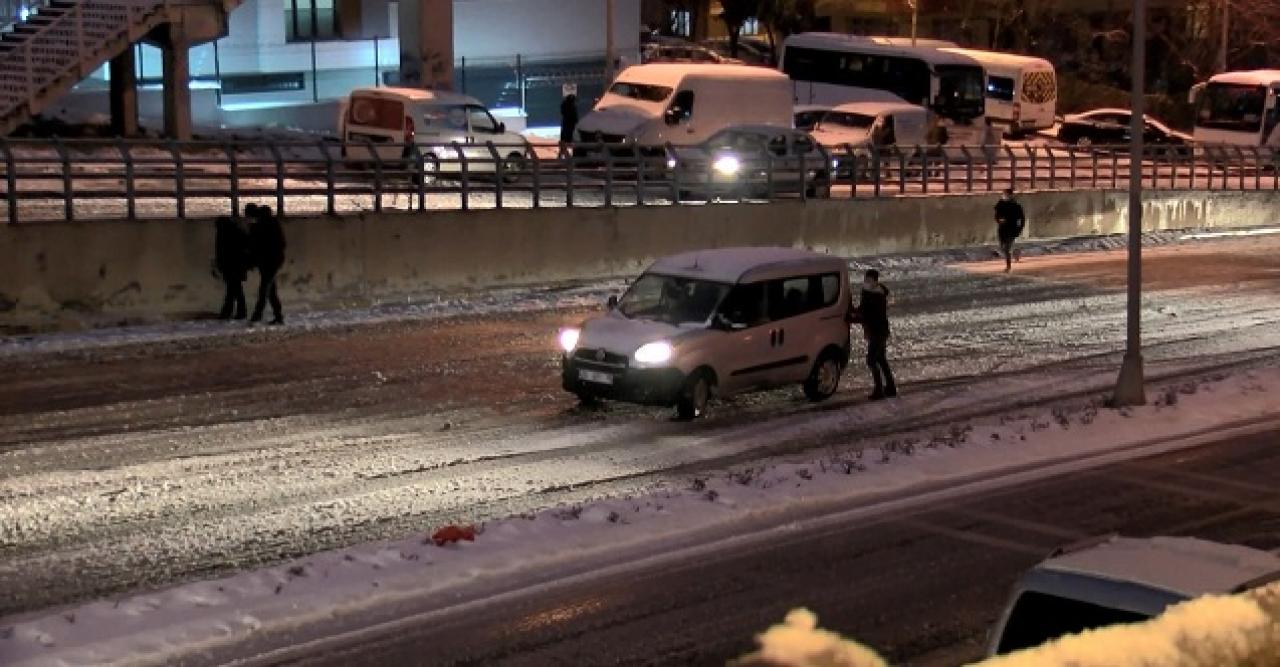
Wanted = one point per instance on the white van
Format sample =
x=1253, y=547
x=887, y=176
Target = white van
x=716, y=322
x=450, y=130
x=867, y=124
x=684, y=104
x=1022, y=91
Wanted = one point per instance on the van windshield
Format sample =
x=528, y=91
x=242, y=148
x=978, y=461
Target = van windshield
x=856, y=121
x=672, y=299
x=1229, y=106
x=645, y=92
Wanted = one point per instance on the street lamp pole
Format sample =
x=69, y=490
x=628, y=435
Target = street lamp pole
x=1129, y=387
x=915, y=18
x=610, y=50
x=1222, y=41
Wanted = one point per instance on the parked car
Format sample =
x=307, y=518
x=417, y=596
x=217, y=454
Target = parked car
x=716, y=323
x=1114, y=580
x=808, y=115
x=1110, y=127
x=684, y=53
x=751, y=161
x=750, y=51
x=852, y=132
x=451, y=132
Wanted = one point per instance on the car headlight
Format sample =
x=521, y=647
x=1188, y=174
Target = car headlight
x=654, y=353
x=569, y=339
x=727, y=165
x=671, y=163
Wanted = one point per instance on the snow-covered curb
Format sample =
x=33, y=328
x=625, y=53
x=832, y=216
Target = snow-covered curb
x=355, y=586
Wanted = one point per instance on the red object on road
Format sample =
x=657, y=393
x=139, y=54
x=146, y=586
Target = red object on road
x=450, y=534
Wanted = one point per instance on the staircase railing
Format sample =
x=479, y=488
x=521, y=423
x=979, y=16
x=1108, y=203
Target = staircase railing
x=71, y=44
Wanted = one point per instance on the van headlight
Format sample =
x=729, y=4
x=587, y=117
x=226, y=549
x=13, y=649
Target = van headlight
x=569, y=339
x=655, y=353
x=671, y=163
x=727, y=165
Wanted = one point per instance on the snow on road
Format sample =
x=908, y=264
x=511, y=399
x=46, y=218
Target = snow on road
x=287, y=604
x=144, y=457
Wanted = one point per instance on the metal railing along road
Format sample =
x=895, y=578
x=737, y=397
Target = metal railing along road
x=126, y=179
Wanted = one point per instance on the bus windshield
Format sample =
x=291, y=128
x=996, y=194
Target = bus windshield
x=1230, y=106
x=961, y=91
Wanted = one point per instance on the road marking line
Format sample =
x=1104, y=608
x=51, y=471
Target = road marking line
x=977, y=538
x=1034, y=526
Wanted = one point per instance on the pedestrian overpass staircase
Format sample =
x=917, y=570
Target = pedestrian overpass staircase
x=48, y=46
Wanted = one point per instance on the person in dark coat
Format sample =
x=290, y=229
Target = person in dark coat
x=231, y=258
x=568, y=118
x=872, y=312
x=266, y=246
x=1010, y=221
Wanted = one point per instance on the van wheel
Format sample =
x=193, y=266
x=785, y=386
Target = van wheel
x=824, y=379
x=693, y=400
x=513, y=167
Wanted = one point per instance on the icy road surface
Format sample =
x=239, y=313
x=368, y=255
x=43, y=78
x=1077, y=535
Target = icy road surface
x=215, y=448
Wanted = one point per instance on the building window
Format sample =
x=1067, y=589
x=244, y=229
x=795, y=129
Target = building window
x=751, y=26
x=308, y=20
x=680, y=22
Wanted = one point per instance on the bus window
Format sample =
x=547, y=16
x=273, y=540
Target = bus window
x=1000, y=88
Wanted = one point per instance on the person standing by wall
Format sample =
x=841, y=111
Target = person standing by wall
x=231, y=259
x=266, y=244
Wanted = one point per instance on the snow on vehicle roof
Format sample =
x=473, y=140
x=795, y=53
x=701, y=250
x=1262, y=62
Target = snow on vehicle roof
x=1182, y=565
x=415, y=95
x=906, y=41
x=1257, y=77
x=1001, y=58
x=854, y=43
x=875, y=108
x=671, y=74
x=731, y=265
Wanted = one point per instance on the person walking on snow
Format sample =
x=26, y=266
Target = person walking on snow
x=872, y=312
x=231, y=259
x=1010, y=221
x=266, y=245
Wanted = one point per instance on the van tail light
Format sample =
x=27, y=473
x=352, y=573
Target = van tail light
x=1017, y=111
x=409, y=131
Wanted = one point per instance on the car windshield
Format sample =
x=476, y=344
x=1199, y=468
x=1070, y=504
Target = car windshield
x=672, y=299
x=856, y=121
x=1227, y=106
x=740, y=142
x=644, y=92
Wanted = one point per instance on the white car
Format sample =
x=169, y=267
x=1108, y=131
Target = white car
x=449, y=132
x=715, y=323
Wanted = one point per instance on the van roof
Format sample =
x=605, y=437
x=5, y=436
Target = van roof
x=734, y=265
x=1186, y=566
x=671, y=74
x=1256, y=77
x=876, y=108
x=999, y=58
x=832, y=40
x=415, y=95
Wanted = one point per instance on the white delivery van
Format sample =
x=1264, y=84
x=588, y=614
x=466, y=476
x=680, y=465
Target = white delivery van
x=716, y=322
x=1022, y=91
x=866, y=124
x=684, y=104
x=451, y=131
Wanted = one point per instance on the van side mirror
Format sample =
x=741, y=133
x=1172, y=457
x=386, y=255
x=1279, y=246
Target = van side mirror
x=612, y=303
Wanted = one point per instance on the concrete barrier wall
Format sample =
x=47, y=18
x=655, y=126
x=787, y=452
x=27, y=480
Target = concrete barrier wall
x=100, y=273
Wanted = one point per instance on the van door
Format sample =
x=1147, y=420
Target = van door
x=380, y=122
x=791, y=302
x=749, y=352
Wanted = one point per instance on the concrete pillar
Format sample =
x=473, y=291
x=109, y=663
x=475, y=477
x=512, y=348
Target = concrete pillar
x=124, y=94
x=426, y=44
x=176, y=55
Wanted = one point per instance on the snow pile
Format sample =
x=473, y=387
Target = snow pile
x=798, y=642
x=331, y=592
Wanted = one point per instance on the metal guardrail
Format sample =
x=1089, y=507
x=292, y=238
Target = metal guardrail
x=127, y=179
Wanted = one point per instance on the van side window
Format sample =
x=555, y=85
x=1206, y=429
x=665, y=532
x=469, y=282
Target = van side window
x=681, y=106
x=480, y=120
x=745, y=305
x=790, y=297
x=376, y=112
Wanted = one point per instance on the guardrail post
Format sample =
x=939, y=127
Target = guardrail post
x=1053, y=169
x=1115, y=169
x=946, y=171
x=875, y=170
x=968, y=168
x=11, y=180
x=234, y=186
x=130, y=187
x=924, y=169
x=1013, y=169
x=377, y=176
x=608, y=178
x=902, y=170
x=640, y=166
x=675, y=174
x=330, y=203
x=1257, y=167
x=569, y=159
x=465, y=171
x=1240, y=161
x=499, y=173
x=179, y=180
x=537, y=181
x=1032, y=155
x=279, y=158
x=68, y=208
x=1071, y=157
x=804, y=179
x=419, y=174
